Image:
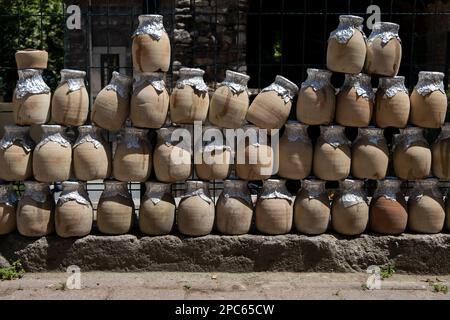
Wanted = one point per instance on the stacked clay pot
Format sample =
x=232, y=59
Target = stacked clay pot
x=157, y=210
x=392, y=103
x=271, y=107
x=441, y=154
x=115, y=210
x=73, y=213
x=388, y=213
x=195, y=215
x=111, y=106
x=274, y=208
x=35, y=210
x=15, y=154
x=316, y=101
x=230, y=101
x=312, y=208
x=8, y=204
x=31, y=59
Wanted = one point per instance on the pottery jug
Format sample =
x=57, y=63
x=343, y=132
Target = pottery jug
x=8, y=203
x=392, y=104
x=440, y=154
x=31, y=59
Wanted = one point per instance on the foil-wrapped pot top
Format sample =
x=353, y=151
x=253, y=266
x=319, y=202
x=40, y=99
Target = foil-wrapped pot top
x=8, y=195
x=275, y=189
x=38, y=191
x=352, y=192
x=151, y=24
x=374, y=135
x=317, y=79
x=314, y=188
x=237, y=82
x=16, y=133
x=426, y=186
x=73, y=78
x=134, y=137
x=156, y=190
x=192, y=77
x=283, y=87
x=408, y=136
x=89, y=134
x=74, y=191
x=115, y=188
x=53, y=133
x=388, y=188
x=120, y=83
x=392, y=86
x=197, y=188
x=237, y=189
x=155, y=79
x=296, y=131
x=348, y=24
x=334, y=135
x=30, y=82
x=386, y=31
x=429, y=82
x=361, y=83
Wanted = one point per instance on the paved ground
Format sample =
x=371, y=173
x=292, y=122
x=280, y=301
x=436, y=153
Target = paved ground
x=166, y=285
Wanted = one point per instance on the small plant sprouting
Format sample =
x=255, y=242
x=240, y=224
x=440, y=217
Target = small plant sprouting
x=15, y=271
x=62, y=286
x=387, y=271
x=440, y=287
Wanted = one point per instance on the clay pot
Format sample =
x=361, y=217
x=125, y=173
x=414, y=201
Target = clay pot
x=8, y=203
x=271, y=107
x=370, y=154
x=388, y=213
x=35, y=210
x=312, y=208
x=196, y=210
x=355, y=101
x=115, y=209
x=150, y=101
x=426, y=207
x=172, y=162
x=234, y=209
x=392, y=104
x=91, y=155
x=74, y=213
x=229, y=103
x=157, y=210
x=350, y=211
x=429, y=101
x=447, y=213
x=412, y=154
x=274, y=208
x=189, y=100
x=70, y=102
x=31, y=98
x=332, y=155
x=316, y=101
x=31, y=59
x=254, y=156
x=384, y=50
x=296, y=152
x=111, y=106
x=441, y=154
x=15, y=154
x=346, y=51
x=52, y=157
x=133, y=158
x=151, y=45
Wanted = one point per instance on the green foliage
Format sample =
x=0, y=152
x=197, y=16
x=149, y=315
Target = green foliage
x=439, y=287
x=15, y=271
x=387, y=271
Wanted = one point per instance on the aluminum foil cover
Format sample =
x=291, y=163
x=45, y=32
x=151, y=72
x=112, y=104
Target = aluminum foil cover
x=388, y=189
x=74, y=191
x=285, y=88
x=314, y=188
x=334, y=135
x=296, y=131
x=386, y=31
x=37, y=191
x=120, y=83
x=430, y=82
x=155, y=79
x=151, y=24
x=407, y=137
x=16, y=133
x=352, y=192
x=373, y=135
x=197, y=188
x=194, y=78
x=237, y=189
x=317, y=79
x=275, y=189
x=133, y=138
x=423, y=186
x=8, y=195
x=392, y=86
x=73, y=78
x=88, y=134
x=347, y=26
x=115, y=188
x=361, y=83
x=237, y=82
x=156, y=190
x=30, y=82
x=53, y=133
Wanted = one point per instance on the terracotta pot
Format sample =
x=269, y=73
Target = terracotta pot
x=52, y=157
x=189, y=100
x=8, y=203
x=312, y=208
x=229, y=103
x=91, y=155
x=115, y=209
x=296, y=152
x=31, y=98
x=332, y=155
x=346, y=50
x=157, y=210
x=15, y=154
x=355, y=101
x=150, y=101
x=350, y=211
x=196, y=210
x=151, y=45
x=429, y=101
x=441, y=154
x=384, y=50
x=254, y=156
x=388, y=213
x=271, y=107
x=370, y=154
x=426, y=207
x=70, y=102
x=392, y=104
x=31, y=59
x=172, y=162
x=447, y=213
x=316, y=101
x=74, y=213
x=35, y=210
x=234, y=209
x=133, y=158
x=412, y=154
x=111, y=106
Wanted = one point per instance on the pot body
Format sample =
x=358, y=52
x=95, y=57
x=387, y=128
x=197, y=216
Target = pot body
x=52, y=162
x=428, y=111
x=73, y=219
x=110, y=110
x=383, y=59
x=16, y=163
x=187, y=105
x=228, y=109
x=268, y=110
x=70, y=108
x=274, y=216
x=311, y=214
x=349, y=221
x=316, y=107
x=195, y=216
x=115, y=215
x=426, y=214
x=31, y=109
x=331, y=163
x=157, y=219
x=150, y=55
x=149, y=107
x=353, y=110
x=35, y=219
x=348, y=57
x=388, y=216
x=391, y=112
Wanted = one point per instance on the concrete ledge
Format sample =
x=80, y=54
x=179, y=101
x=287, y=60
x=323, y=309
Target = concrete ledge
x=421, y=254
